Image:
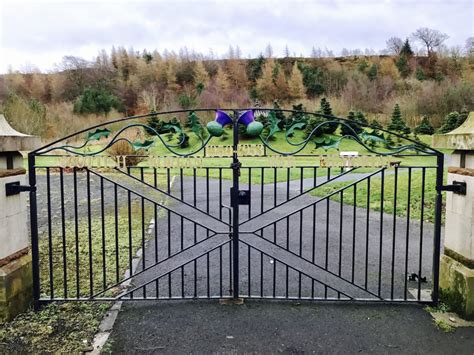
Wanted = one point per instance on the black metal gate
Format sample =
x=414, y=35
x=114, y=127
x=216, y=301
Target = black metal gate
x=238, y=220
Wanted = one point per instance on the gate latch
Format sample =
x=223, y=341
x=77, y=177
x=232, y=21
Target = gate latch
x=13, y=188
x=458, y=187
x=242, y=197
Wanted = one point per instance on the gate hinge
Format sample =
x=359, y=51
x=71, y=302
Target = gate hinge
x=458, y=187
x=236, y=165
x=13, y=188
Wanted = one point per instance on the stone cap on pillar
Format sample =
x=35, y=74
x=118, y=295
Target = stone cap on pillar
x=462, y=138
x=13, y=141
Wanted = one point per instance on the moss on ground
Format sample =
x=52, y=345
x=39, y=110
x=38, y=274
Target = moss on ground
x=70, y=327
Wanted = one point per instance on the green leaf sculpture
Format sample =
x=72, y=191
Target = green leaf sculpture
x=137, y=145
x=98, y=134
x=297, y=125
x=175, y=127
x=373, y=137
x=195, y=125
x=326, y=142
x=273, y=122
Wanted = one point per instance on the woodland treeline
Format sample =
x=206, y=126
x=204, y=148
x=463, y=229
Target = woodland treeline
x=126, y=82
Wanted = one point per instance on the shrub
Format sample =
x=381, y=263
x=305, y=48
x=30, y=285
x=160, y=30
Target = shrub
x=375, y=124
x=123, y=148
x=451, y=121
x=156, y=123
x=26, y=116
x=424, y=127
x=96, y=101
x=354, y=121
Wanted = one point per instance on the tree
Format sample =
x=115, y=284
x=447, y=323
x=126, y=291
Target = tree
x=375, y=125
x=403, y=67
x=424, y=127
x=96, y=101
x=453, y=120
x=420, y=74
x=237, y=73
x=394, y=45
x=281, y=86
x=268, y=51
x=295, y=83
x=325, y=108
x=372, y=73
x=170, y=74
x=222, y=82
x=406, y=49
x=450, y=122
x=397, y=123
x=201, y=75
x=312, y=79
x=469, y=46
x=353, y=125
x=265, y=85
x=432, y=39
x=362, y=65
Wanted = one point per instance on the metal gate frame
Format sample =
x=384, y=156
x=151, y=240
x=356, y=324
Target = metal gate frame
x=237, y=194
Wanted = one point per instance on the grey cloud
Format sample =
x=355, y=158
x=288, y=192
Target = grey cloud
x=34, y=30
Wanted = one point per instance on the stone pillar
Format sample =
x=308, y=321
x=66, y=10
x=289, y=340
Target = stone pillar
x=16, y=283
x=457, y=263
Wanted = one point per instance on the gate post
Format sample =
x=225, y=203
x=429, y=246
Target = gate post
x=235, y=206
x=456, y=266
x=16, y=291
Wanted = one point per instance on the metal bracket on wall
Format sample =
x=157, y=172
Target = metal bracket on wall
x=458, y=187
x=14, y=188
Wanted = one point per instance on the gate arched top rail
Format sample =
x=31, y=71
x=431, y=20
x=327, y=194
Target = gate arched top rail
x=332, y=140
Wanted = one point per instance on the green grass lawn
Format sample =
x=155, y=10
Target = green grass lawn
x=402, y=205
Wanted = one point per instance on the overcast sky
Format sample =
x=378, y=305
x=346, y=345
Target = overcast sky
x=39, y=33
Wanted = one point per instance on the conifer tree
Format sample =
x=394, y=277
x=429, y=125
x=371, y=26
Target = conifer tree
x=325, y=108
x=295, y=83
x=397, y=123
x=201, y=76
x=406, y=49
x=375, y=124
x=424, y=127
x=372, y=73
x=265, y=85
x=222, y=82
x=450, y=122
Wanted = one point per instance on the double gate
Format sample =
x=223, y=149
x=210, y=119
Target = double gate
x=216, y=220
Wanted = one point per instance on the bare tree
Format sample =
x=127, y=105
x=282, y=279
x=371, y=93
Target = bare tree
x=469, y=46
x=394, y=45
x=269, y=51
x=430, y=38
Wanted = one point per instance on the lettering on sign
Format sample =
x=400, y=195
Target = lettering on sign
x=243, y=150
x=155, y=161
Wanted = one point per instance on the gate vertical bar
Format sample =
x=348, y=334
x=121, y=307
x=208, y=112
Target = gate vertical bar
x=437, y=227
x=34, y=231
x=235, y=206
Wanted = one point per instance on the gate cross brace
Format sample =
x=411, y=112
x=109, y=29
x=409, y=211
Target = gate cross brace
x=312, y=270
